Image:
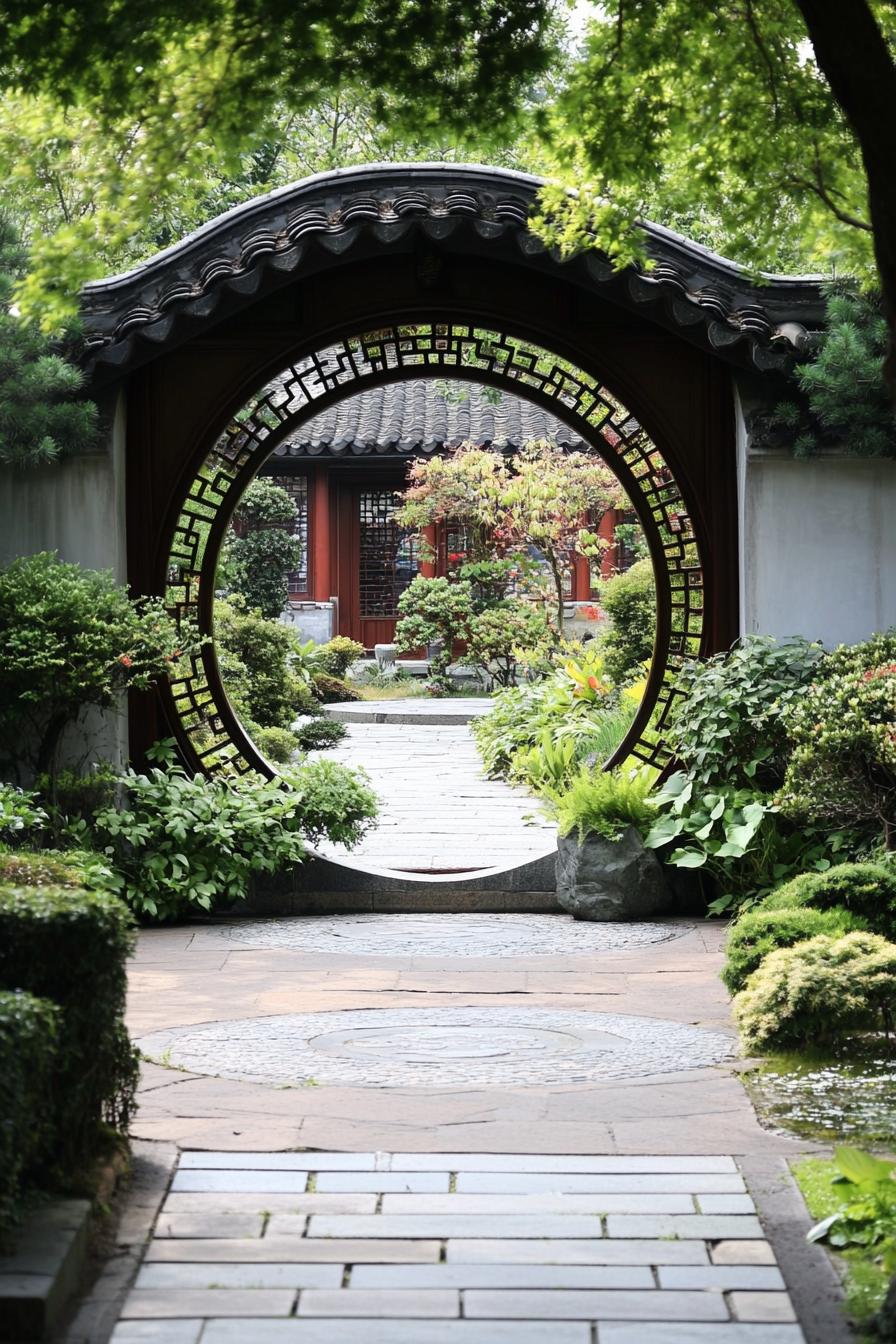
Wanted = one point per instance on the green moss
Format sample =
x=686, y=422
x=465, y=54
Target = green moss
x=864, y=1280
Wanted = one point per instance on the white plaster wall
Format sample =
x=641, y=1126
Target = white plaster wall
x=77, y=508
x=818, y=545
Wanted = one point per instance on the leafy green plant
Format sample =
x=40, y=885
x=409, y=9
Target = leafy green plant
x=867, y=890
x=258, y=659
x=337, y=655
x=605, y=803
x=498, y=635
x=760, y=931
x=71, y=947
x=21, y=815
x=188, y=842
x=842, y=770
x=729, y=727
x=433, y=613
x=629, y=600
x=318, y=734
x=72, y=798
x=278, y=744
x=818, y=993
x=262, y=550
x=866, y=1217
x=72, y=638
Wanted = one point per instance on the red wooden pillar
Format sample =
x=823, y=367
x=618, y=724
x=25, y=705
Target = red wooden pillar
x=430, y=568
x=319, y=531
x=609, y=561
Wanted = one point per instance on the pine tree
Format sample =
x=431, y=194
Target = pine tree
x=42, y=416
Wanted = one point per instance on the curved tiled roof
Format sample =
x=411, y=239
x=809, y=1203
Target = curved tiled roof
x=421, y=417
x=237, y=257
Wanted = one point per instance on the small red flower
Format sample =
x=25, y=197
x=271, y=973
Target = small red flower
x=125, y=660
x=593, y=683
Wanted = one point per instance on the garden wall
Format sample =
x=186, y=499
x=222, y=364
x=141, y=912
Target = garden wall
x=817, y=544
x=75, y=507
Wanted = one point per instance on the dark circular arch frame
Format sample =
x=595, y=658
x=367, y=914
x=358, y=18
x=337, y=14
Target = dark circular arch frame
x=209, y=733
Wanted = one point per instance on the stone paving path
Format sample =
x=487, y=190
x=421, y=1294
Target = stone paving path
x=411, y=1248
x=515, y=1147
x=438, y=812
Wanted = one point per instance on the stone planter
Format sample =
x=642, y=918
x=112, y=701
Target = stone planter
x=609, y=879
x=385, y=655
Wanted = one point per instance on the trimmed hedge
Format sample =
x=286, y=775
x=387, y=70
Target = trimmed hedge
x=71, y=947
x=21, y=868
x=28, y=1034
x=864, y=889
x=318, y=734
x=761, y=931
x=332, y=690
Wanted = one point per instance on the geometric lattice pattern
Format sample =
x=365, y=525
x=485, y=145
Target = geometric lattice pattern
x=206, y=725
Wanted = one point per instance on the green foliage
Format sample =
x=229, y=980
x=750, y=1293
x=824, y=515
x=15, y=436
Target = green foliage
x=629, y=599
x=21, y=815
x=28, y=1032
x=278, y=744
x=318, y=734
x=842, y=770
x=847, y=399
x=758, y=932
x=818, y=992
x=728, y=726
x=432, y=612
x=337, y=655
x=257, y=658
x=259, y=557
x=72, y=638
x=716, y=120
x=72, y=800
x=42, y=416
x=867, y=890
x=863, y=1190
x=72, y=947
x=605, y=803
x=188, y=842
x=19, y=868
x=522, y=715
x=720, y=814
x=332, y=690
x=498, y=635
x=177, y=95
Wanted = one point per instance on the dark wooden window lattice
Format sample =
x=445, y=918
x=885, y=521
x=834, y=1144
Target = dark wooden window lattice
x=387, y=554
x=296, y=486
x=203, y=719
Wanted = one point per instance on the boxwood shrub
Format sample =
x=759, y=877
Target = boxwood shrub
x=28, y=1031
x=761, y=931
x=22, y=868
x=864, y=889
x=819, y=993
x=71, y=947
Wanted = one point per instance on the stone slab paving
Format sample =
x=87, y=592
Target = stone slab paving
x=413, y=709
x=460, y=1268
x=438, y=812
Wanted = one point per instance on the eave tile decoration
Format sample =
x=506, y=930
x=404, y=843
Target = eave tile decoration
x=203, y=719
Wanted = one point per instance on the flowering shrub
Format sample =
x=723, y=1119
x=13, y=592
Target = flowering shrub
x=843, y=731
x=499, y=635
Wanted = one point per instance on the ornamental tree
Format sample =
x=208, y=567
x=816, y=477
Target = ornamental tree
x=536, y=504
x=71, y=638
x=262, y=550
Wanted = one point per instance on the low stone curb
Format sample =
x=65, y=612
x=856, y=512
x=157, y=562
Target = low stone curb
x=40, y=1277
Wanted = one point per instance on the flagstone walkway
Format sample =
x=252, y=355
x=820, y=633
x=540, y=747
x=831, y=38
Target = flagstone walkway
x=449, y=1130
x=438, y=811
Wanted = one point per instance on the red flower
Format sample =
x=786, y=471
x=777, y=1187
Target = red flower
x=126, y=661
x=593, y=683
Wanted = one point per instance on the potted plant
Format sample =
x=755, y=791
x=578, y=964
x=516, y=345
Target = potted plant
x=604, y=871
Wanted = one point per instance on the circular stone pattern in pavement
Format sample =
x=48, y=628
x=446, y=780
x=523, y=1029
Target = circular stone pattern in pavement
x=439, y=1047
x=449, y=935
